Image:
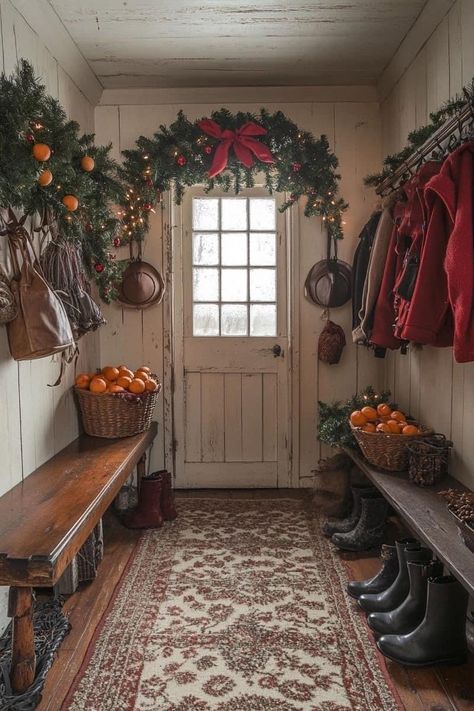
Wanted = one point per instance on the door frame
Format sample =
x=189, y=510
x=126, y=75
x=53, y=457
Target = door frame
x=173, y=335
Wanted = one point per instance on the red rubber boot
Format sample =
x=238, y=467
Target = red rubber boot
x=167, y=496
x=148, y=513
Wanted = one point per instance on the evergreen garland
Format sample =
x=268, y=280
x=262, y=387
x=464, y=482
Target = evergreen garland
x=334, y=428
x=181, y=155
x=30, y=116
x=420, y=135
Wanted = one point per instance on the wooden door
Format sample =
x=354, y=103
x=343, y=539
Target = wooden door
x=233, y=426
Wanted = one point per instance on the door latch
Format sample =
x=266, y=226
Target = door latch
x=277, y=350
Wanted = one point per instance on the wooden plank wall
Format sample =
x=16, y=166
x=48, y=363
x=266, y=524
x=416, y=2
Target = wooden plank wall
x=353, y=130
x=428, y=382
x=35, y=420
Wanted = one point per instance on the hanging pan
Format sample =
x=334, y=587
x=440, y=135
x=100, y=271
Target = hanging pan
x=329, y=281
x=142, y=284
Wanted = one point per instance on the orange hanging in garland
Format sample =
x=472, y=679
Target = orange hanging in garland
x=41, y=151
x=87, y=163
x=45, y=178
x=71, y=202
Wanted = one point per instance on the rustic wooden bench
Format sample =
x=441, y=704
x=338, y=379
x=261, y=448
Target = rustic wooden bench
x=45, y=519
x=426, y=514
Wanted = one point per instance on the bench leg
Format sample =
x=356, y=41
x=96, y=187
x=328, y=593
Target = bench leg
x=23, y=665
x=141, y=470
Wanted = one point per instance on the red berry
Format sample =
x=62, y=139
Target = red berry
x=181, y=161
x=30, y=138
x=296, y=167
x=207, y=150
x=147, y=206
x=117, y=242
x=99, y=268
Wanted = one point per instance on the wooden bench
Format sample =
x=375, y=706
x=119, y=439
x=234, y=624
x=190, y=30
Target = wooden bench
x=45, y=519
x=427, y=516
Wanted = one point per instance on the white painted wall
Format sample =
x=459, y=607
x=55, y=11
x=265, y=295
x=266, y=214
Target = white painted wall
x=36, y=421
x=353, y=129
x=428, y=382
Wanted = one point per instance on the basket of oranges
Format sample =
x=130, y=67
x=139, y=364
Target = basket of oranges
x=383, y=434
x=117, y=401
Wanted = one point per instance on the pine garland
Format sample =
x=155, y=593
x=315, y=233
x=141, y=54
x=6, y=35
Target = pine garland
x=181, y=155
x=420, y=135
x=31, y=116
x=333, y=426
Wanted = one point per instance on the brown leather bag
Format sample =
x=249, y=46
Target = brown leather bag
x=41, y=327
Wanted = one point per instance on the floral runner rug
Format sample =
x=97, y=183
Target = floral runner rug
x=238, y=605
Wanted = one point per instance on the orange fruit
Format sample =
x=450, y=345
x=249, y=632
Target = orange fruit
x=358, y=419
x=82, y=381
x=124, y=371
x=98, y=385
x=397, y=415
x=151, y=385
x=113, y=388
x=145, y=369
x=41, y=151
x=87, y=163
x=384, y=410
x=383, y=427
x=141, y=375
x=370, y=413
x=124, y=381
x=394, y=426
x=369, y=427
x=410, y=430
x=110, y=373
x=71, y=202
x=137, y=386
x=45, y=178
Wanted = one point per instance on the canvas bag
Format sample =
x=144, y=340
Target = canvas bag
x=41, y=327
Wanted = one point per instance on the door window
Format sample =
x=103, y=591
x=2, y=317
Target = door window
x=234, y=266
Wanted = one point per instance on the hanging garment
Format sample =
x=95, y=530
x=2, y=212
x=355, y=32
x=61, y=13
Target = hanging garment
x=449, y=243
x=375, y=269
x=360, y=265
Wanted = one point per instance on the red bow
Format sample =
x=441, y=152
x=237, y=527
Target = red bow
x=245, y=147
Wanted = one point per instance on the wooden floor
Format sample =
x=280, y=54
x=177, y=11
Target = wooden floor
x=433, y=689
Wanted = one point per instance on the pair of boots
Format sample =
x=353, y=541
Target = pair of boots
x=155, y=502
x=364, y=528
x=417, y=613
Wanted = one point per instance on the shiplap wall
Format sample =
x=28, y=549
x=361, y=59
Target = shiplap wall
x=137, y=336
x=428, y=382
x=35, y=420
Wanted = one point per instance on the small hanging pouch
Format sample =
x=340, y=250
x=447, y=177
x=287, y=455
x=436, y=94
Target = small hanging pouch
x=331, y=343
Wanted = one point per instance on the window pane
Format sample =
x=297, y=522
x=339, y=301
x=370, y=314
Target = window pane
x=205, y=284
x=263, y=320
x=206, y=320
x=262, y=214
x=205, y=213
x=262, y=249
x=206, y=249
x=234, y=214
x=234, y=248
x=262, y=285
x=233, y=320
x=234, y=285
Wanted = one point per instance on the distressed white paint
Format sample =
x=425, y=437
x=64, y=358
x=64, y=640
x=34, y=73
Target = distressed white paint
x=428, y=382
x=36, y=421
x=175, y=43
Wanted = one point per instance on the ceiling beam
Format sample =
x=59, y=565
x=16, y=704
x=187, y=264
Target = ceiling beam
x=43, y=20
x=427, y=21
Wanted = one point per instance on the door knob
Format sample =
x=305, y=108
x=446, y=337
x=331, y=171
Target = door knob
x=277, y=350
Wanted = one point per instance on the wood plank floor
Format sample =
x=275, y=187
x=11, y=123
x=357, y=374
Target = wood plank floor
x=433, y=689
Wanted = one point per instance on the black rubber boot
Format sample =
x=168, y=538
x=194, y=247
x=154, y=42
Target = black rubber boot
x=369, y=530
x=407, y=616
x=347, y=524
x=392, y=597
x=382, y=580
x=441, y=636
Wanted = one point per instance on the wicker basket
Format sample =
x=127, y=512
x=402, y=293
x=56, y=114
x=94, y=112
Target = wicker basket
x=386, y=451
x=428, y=459
x=465, y=531
x=114, y=415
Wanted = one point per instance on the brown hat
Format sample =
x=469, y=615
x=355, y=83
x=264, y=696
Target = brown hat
x=142, y=285
x=329, y=283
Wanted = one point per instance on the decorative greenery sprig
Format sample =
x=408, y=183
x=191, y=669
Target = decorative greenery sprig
x=334, y=428
x=420, y=135
x=181, y=155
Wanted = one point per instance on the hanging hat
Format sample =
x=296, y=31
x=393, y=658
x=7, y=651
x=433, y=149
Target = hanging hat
x=328, y=283
x=142, y=285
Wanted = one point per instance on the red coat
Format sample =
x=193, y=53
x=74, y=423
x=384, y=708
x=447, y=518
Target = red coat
x=446, y=277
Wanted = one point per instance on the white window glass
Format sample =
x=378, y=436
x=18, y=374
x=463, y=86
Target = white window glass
x=234, y=252
x=205, y=248
x=234, y=319
x=262, y=284
x=205, y=214
x=234, y=285
x=234, y=248
x=205, y=284
x=206, y=320
x=263, y=319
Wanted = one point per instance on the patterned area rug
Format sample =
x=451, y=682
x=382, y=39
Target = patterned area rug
x=239, y=605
